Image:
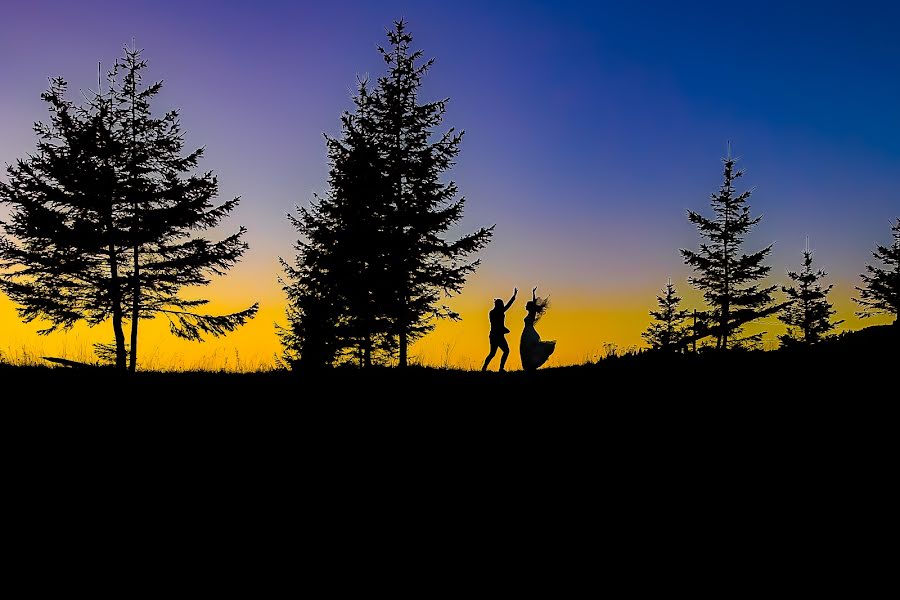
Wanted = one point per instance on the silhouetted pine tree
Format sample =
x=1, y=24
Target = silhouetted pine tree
x=65, y=238
x=726, y=277
x=424, y=266
x=167, y=206
x=337, y=287
x=668, y=329
x=881, y=292
x=103, y=219
x=809, y=309
x=310, y=339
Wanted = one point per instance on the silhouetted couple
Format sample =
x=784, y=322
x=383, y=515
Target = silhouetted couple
x=533, y=351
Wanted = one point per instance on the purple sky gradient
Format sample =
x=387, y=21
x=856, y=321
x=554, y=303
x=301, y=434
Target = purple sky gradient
x=590, y=128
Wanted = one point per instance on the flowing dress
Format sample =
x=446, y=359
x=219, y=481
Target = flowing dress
x=533, y=351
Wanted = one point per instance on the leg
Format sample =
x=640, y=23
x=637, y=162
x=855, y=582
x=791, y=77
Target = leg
x=505, y=348
x=490, y=356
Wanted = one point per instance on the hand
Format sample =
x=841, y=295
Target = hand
x=515, y=291
x=534, y=289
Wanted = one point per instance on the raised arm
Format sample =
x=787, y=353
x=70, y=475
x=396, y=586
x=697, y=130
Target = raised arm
x=534, y=294
x=511, y=300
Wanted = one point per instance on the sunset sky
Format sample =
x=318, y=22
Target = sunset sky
x=591, y=127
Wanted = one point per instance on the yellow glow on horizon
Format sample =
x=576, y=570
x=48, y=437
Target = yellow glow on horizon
x=585, y=328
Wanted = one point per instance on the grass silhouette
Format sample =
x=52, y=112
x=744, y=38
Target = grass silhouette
x=838, y=366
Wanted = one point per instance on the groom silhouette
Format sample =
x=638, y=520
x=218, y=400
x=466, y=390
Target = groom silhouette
x=498, y=333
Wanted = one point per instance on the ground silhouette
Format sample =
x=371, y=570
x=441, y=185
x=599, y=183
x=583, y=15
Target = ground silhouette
x=851, y=366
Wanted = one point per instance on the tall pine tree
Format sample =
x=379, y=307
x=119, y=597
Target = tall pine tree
x=65, y=243
x=104, y=217
x=809, y=310
x=727, y=277
x=424, y=266
x=337, y=287
x=880, y=293
x=668, y=329
x=167, y=207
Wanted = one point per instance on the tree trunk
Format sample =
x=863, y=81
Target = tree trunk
x=402, y=360
x=404, y=325
x=135, y=314
x=694, y=331
x=120, y=336
x=116, y=296
x=366, y=342
x=727, y=304
x=398, y=140
x=136, y=291
x=726, y=316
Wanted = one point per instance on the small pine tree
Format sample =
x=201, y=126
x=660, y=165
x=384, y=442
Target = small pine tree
x=881, y=292
x=809, y=309
x=669, y=328
x=727, y=278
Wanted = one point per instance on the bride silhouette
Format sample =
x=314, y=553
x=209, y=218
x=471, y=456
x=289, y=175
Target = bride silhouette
x=533, y=351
